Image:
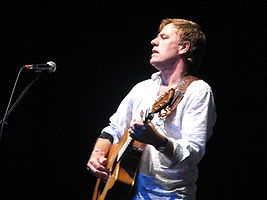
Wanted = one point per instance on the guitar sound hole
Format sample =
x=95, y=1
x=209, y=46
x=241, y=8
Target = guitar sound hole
x=131, y=160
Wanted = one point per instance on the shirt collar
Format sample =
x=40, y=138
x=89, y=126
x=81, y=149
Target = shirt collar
x=156, y=75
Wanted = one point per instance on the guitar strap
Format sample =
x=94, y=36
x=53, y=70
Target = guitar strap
x=178, y=94
x=180, y=90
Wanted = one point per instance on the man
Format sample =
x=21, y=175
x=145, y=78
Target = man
x=176, y=140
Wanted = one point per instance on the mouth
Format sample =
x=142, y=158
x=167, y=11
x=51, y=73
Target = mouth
x=154, y=52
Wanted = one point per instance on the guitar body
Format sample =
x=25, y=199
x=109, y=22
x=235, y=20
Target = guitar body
x=123, y=161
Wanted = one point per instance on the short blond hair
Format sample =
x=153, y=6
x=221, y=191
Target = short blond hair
x=191, y=32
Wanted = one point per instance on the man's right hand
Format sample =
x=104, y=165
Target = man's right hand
x=97, y=164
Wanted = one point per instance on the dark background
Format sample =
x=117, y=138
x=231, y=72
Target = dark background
x=101, y=51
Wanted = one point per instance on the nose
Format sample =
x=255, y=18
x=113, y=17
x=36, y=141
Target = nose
x=154, y=42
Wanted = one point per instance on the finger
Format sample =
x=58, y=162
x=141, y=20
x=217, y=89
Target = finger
x=97, y=170
x=139, y=127
x=132, y=122
x=96, y=164
x=101, y=174
x=136, y=138
x=130, y=130
x=103, y=160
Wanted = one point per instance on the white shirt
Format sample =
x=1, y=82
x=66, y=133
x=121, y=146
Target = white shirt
x=188, y=127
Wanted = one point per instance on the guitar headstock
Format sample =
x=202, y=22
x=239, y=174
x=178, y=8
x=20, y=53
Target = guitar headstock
x=163, y=101
x=159, y=104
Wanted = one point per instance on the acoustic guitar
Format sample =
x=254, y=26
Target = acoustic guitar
x=123, y=159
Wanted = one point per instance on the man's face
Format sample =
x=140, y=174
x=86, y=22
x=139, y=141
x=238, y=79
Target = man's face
x=165, y=48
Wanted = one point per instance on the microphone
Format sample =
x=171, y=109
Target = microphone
x=49, y=66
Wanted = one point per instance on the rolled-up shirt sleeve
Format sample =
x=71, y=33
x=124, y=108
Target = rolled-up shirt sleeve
x=128, y=109
x=195, y=128
x=120, y=119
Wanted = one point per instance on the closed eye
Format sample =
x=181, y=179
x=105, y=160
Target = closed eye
x=163, y=36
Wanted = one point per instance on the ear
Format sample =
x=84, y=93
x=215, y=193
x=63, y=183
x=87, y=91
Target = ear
x=183, y=47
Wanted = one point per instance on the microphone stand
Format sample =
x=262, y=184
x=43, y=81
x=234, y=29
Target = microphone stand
x=35, y=78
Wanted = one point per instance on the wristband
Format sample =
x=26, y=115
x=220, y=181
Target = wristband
x=163, y=145
x=99, y=151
